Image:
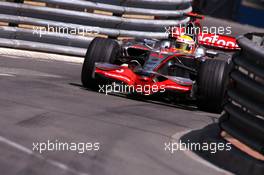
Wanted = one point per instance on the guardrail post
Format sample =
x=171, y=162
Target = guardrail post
x=117, y=15
x=15, y=1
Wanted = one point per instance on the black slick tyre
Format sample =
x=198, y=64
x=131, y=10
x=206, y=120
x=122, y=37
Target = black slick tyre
x=213, y=80
x=99, y=50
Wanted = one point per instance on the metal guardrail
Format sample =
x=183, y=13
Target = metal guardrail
x=88, y=5
x=52, y=38
x=244, y=116
x=71, y=26
x=84, y=18
x=78, y=14
x=151, y=4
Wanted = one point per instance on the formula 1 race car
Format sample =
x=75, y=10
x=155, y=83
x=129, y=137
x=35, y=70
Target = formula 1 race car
x=178, y=66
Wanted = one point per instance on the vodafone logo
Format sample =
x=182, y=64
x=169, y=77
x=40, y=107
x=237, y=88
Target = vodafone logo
x=218, y=41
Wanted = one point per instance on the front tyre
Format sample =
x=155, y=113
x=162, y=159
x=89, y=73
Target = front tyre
x=99, y=50
x=212, y=84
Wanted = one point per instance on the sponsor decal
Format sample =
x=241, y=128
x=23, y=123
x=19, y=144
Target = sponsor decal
x=218, y=41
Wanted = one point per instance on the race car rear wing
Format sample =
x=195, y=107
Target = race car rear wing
x=195, y=30
x=207, y=39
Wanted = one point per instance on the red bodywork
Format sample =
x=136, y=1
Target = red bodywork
x=127, y=76
x=219, y=41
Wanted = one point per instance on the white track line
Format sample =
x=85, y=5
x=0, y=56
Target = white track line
x=40, y=55
x=49, y=161
x=6, y=75
x=176, y=137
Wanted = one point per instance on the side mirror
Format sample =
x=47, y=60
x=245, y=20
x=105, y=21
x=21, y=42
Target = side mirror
x=211, y=53
x=200, y=52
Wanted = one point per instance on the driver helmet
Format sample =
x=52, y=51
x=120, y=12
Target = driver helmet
x=185, y=43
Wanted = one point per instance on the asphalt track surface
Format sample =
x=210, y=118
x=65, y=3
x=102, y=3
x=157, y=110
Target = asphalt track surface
x=42, y=100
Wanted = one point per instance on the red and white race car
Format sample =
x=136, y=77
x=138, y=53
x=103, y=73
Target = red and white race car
x=180, y=66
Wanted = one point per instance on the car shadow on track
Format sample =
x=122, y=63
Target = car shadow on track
x=226, y=157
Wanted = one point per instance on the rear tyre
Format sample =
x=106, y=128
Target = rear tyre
x=212, y=85
x=99, y=50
